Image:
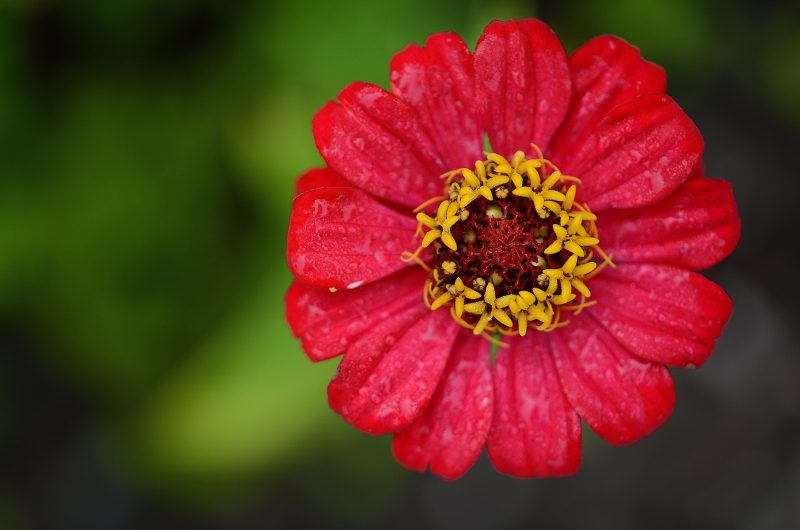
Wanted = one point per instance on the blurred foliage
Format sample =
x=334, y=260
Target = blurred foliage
x=149, y=151
x=148, y=170
x=680, y=33
x=780, y=69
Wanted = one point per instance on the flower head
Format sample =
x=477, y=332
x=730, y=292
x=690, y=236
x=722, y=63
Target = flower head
x=571, y=244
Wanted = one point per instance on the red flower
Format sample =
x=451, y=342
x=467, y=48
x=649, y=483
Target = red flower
x=587, y=151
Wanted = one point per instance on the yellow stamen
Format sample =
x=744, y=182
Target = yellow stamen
x=408, y=257
x=441, y=300
x=564, y=227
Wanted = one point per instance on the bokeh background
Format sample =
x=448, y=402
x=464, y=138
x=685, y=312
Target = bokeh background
x=148, y=151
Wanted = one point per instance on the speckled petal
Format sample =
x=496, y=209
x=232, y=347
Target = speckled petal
x=698, y=172
x=621, y=398
x=373, y=139
x=661, y=313
x=438, y=82
x=388, y=376
x=636, y=155
x=696, y=227
x=320, y=177
x=329, y=322
x=535, y=431
x=449, y=434
x=343, y=238
x=523, y=84
x=606, y=71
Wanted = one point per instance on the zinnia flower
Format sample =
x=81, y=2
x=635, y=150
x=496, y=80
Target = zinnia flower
x=498, y=297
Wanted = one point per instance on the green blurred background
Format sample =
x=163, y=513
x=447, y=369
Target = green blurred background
x=148, y=151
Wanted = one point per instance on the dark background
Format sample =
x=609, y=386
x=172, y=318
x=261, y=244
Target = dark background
x=147, y=378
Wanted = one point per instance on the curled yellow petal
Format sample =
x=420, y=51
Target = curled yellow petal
x=538, y=202
x=449, y=240
x=470, y=178
x=489, y=295
x=534, y=177
x=467, y=198
x=485, y=192
x=554, y=273
x=472, y=294
x=586, y=241
x=569, y=198
x=441, y=212
x=505, y=169
x=528, y=296
x=452, y=208
x=561, y=299
x=566, y=288
x=426, y=219
x=430, y=237
x=497, y=159
x=569, y=245
x=496, y=181
x=480, y=169
x=553, y=206
x=476, y=308
x=502, y=317
x=449, y=222
x=459, y=306
x=523, y=191
x=554, y=247
x=504, y=301
x=584, y=269
x=522, y=323
x=551, y=180
x=581, y=287
x=441, y=300
x=569, y=265
x=481, y=325
x=553, y=195
x=586, y=216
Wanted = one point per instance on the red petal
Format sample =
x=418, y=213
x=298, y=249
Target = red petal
x=372, y=138
x=536, y=432
x=449, y=434
x=319, y=177
x=695, y=227
x=389, y=375
x=636, y=155
x=606, y=71
x=329, y=322
x=523, y=84
x=662, y=313
x=343, y=238
x=698, y=172
x=438, y=82
x=619, y=396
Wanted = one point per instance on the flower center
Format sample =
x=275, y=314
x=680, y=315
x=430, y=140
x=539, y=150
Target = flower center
x=510, y=248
